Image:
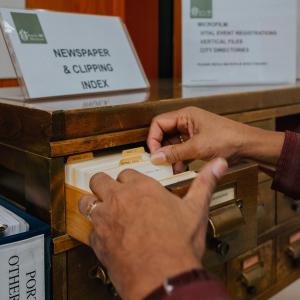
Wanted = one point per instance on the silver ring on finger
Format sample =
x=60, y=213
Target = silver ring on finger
x=90, y=209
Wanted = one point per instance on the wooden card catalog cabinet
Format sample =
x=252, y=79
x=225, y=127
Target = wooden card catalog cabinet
x=251, y=273
x=232, y=226
x=232, y=219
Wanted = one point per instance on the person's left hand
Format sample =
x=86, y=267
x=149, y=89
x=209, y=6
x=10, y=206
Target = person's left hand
x=143, y=233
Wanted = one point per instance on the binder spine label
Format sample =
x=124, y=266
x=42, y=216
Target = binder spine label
x=22, y=272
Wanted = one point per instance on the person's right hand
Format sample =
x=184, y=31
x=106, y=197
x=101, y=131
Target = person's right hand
x=207, y=136
x=144, y=234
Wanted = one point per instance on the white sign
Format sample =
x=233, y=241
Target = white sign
x=22, y=272
x=6, y=66
x=59, y=54
x=239, y=41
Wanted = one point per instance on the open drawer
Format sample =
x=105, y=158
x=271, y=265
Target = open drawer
x=232, y=223
x=80, y=170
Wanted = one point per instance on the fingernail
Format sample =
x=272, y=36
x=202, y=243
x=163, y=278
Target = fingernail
x=158, y=158
x=219, y=167
x=180, y=167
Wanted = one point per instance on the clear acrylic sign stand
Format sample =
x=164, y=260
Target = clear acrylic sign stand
x=57, y=55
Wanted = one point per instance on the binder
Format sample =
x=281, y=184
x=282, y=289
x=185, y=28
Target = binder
x=11, y=270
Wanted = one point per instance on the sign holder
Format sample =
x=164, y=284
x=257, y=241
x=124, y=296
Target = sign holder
x=238, y=42
x=91, y=58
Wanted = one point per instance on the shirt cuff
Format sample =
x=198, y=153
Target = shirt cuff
x=195, y=284
x=287, y=176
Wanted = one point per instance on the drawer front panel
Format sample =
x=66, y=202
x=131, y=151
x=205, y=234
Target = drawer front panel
x=288, y=254
x=287, y=208
x=251, y=273
x=265, y=207
x=82, y=284
x=243, y=234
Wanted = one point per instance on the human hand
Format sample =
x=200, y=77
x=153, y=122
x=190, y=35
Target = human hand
x=144, y=234
x=207, y=136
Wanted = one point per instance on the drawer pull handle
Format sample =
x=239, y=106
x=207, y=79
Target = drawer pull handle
x=293, y=251
x=225, y=220
x=251, y=277
x=295, y=205
x=98, y=272
x=222, y=248
x=251, y=290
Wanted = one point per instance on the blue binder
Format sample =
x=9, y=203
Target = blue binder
x=36, y=228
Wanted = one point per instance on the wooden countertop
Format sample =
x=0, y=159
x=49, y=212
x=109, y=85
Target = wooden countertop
x=47, y=126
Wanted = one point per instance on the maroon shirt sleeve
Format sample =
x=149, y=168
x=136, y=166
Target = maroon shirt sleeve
x=287, y=176
x=197, y=290
x=193, y=285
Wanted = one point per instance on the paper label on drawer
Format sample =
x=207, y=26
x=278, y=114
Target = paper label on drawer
x=222, y=197
x=295, y=237
x=250, y=262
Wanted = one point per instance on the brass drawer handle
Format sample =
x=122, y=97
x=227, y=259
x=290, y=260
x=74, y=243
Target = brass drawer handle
x=295, y=205
x=98, y=272
x=252, y=276
x=225, y=220
x=293, y=251
x=220, y=247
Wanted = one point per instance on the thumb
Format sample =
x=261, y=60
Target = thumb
x=200, y=192
x=174, y=153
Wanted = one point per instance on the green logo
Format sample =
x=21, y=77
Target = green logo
x=29, y=28
x=201, y=9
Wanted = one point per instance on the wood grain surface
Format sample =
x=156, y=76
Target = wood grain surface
x=46, y=132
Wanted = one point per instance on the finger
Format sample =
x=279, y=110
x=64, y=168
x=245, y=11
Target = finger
x=85, y=203
x=93, y=240
x=180, y=167
x=199, y=194
x=160, y=125
x=175, y=153
x=103, y=186
x=185, y=124
x=130, y=176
